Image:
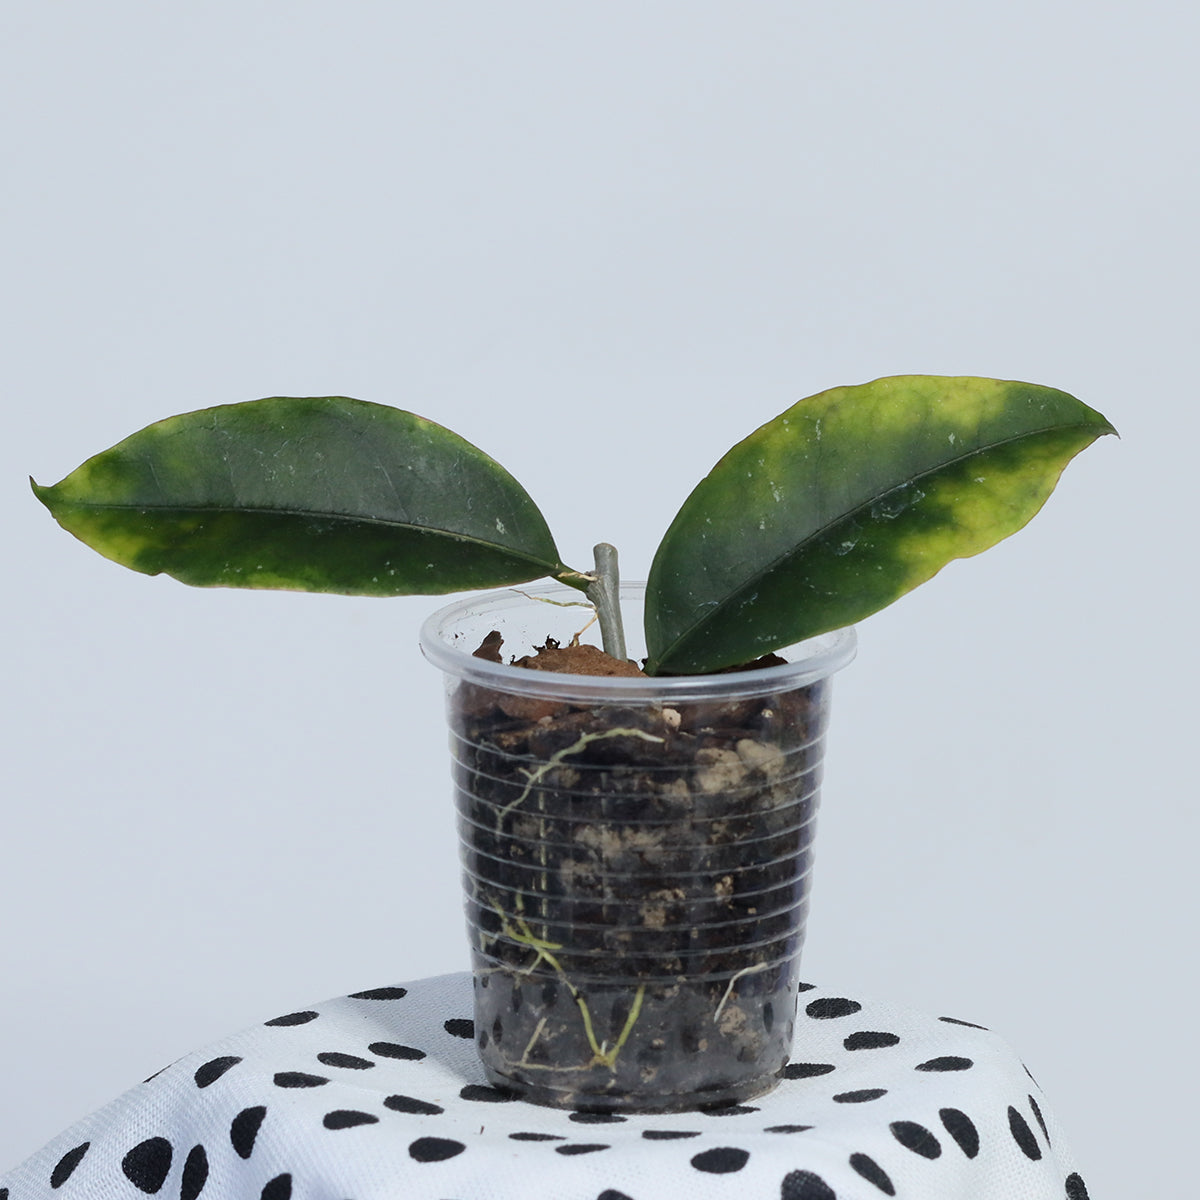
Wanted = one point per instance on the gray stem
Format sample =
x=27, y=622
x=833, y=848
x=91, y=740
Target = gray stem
x=604, y=593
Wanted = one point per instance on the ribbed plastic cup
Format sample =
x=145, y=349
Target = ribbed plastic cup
x=636, y=859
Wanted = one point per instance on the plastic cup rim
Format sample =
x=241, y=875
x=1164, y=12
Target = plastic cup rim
x=809, y=661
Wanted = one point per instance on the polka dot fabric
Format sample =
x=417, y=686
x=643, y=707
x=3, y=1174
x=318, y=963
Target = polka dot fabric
x=379, y=1094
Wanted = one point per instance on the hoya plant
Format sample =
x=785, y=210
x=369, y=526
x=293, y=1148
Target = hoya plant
x=821, y=517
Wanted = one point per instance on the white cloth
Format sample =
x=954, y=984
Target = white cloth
x=379, y=1096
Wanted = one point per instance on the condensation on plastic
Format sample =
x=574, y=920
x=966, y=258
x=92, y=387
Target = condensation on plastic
x=635, y=917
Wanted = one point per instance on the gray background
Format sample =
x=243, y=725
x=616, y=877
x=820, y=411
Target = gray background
x=604, y=242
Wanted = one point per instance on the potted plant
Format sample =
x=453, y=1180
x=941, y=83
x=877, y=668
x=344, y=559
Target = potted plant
x=636, y=835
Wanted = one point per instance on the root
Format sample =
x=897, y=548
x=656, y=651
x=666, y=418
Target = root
x=729, y=990
x=557, y=757
x=561, y=603
x=602, y=1055
x=537, y=1033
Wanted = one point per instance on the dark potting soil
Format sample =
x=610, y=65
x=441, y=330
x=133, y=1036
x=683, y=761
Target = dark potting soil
x=637, y=879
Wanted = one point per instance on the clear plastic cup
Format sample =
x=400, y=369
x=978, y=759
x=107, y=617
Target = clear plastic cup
x=636, y=858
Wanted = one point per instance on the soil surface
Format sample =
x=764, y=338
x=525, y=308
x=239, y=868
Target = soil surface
x=637, y=879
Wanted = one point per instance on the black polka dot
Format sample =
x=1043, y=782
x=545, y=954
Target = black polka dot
x=298, y=1079
x=596, y=1118
x=721, y=1160
x=348, y=1118
x=459, y=1027
x=805, y=987
x=668, y=1135
x=195, y=1174
x=67, y=1164
x=279, y=1188
x=872, y=1172
x=947, y=1062
x=832, y=1006
x=916, y=1138
x=1037, y=1112
x=607, y=1194
x=334, y=1058
x=4, y=1194
x=212, y=1070
x=536, y=1137
x=1023, y=1135
x=244, y=1129
x=383, y=993
x=962, y=1129
x=804, y=1185
x=581, y=1148
x=434, y=1149
x=410, y=1104
x=296, y=1018
x=727, y=1110
x=968, y=1024
x=1076, y=1188
x=787, y=1128
x=147, y=1165
x=489, y=1095
x=861, y=1096
x=395, y=1050
x=806, y=1070
x=869, y=1039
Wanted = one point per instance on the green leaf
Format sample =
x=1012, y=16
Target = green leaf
x=319, y=494
x=845, y=502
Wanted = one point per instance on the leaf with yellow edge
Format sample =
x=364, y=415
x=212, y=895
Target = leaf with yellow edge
x=317, y=494
x=847, y=501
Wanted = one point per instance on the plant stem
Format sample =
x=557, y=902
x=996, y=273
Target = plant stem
x=604, y=593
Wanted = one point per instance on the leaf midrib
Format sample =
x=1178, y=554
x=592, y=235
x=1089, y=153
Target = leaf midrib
x=874, y=499
x=347, y=518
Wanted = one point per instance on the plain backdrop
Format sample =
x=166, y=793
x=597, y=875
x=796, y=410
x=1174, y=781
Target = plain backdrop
x=603, y=242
